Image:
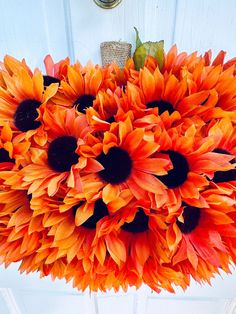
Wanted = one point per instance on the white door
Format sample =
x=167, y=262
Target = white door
x=75, y=28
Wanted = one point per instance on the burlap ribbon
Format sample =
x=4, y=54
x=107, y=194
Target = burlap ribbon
x=115, y=51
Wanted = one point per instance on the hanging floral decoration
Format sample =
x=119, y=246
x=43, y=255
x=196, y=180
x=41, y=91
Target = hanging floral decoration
x=116, y=177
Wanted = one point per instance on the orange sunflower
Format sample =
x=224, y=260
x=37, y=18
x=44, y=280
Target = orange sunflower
x=125, y=155
x=23, y=102
x=193, y=161
x=157, y=94
x=176, y=98
x=81, y=86
x=206, y=91
x=197, y=236
x=143, y=232
x=58, y=162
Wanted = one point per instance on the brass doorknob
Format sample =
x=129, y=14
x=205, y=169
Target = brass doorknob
x=107, y=4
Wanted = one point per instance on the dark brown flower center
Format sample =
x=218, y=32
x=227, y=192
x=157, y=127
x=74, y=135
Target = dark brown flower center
x=29, y=196
x=139, y=224
x=100, y=211
x=83, y=102
x=61, y=153
x=117, y=165
x=110, y=120
x=26, y=114
x=4, y=156
x=48, y=80
x=224, y=176
x=191, y=217
x=161, y=105
x=178, y=174
x=75, y=207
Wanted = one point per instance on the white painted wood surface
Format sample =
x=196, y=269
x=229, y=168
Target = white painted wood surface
x=206, y=24
x=75, y=28
x=31, y=29
x=92, y=25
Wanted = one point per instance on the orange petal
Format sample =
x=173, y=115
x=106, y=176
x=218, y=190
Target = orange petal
x=76, y=80
x=65, y=229
x=54, y=184
x=110, y=193
x=156, y=166
x=116, y=248
x=101, y=251
x=142, y=248
x=133, y=139
x=173, y=236
x=188, y=190
x=38, y=84
x=124, y=129
x=145, y=150
x=95, y=82
x=147, y=83
x=148, y=182
x=191, y=254
x=204, y=249
x=83, y=213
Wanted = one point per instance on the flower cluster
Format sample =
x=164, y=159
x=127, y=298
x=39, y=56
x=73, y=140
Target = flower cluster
x=117, y=177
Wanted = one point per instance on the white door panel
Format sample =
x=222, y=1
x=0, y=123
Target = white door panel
x=75, y=28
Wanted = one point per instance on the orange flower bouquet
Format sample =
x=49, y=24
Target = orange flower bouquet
x=117, y=177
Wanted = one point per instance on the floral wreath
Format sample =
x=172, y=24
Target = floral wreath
x=117, y=177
